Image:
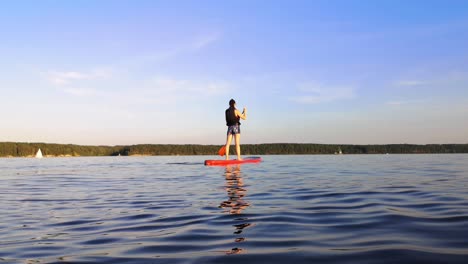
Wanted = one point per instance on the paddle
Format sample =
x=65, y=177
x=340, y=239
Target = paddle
x=222, y=151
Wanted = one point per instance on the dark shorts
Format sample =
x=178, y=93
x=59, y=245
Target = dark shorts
x=232, y=130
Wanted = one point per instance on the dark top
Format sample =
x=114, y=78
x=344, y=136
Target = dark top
x=231, y=119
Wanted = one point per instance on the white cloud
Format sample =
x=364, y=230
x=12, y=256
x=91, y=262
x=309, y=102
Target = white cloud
x=71, y=82
x=62, y=78
x=312, y=93
x=177, y=50
x=409, y=83
x=170, y=86
x=406, y=102
x=203, y=41
x=80, y=91
x=397, y=102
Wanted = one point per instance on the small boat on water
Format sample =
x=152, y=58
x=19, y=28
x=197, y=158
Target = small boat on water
x=339, y=152
x=39, y=154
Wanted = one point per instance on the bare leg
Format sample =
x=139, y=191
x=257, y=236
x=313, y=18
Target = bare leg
x=228, y=144
x=238, y=151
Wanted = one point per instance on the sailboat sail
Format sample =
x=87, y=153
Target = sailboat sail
x=39, y=154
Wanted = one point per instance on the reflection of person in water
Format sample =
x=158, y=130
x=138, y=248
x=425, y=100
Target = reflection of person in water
x=235, y=203
x=235, y=191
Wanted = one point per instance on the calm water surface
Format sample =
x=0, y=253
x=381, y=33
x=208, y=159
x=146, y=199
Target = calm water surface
x=288, y=209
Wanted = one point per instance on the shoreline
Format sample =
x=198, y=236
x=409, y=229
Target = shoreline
x=19, y=149
x=245, y=155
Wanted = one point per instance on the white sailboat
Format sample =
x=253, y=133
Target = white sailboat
x=39, y=154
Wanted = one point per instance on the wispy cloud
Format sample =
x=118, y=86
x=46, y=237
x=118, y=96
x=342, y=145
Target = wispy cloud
x=410, y=83
x=80, y=91
x=205, y=40
x=397, y=102
x=176, y=51
x=169, y=86
x=405, y=102
x=62, y=78
x=311, y=93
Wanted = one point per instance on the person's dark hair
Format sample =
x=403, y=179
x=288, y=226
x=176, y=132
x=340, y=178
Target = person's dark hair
x=232, y=103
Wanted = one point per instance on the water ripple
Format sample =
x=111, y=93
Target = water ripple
x=288, y=209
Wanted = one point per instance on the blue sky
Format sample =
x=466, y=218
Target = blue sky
x=130, y=72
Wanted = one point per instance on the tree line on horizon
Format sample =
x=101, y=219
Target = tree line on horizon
x=18, y=149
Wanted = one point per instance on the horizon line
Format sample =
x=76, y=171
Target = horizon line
x=270, y=143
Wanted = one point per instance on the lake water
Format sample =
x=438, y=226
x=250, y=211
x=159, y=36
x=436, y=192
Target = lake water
x=287, y=209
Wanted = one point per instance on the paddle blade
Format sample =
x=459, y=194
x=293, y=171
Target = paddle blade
x=222, y=151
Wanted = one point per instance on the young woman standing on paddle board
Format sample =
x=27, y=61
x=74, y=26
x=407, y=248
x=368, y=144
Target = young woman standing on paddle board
x=232, y=121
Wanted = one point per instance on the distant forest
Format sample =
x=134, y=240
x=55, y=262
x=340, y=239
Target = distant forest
x=12, y=149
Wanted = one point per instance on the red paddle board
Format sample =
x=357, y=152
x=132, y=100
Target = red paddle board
x=232, y=162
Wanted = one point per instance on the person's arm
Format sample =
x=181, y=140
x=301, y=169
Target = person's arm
x=242, y=115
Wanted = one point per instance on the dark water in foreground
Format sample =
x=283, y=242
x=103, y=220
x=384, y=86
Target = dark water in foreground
x=288, y=209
